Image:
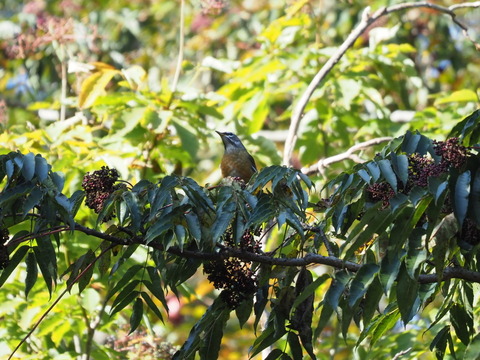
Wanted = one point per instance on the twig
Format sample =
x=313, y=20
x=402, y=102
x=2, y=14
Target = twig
x=366, y=21
x=178, y=68
x=323, y=163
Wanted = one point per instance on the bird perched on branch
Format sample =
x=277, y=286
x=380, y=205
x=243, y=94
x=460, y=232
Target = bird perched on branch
x=236, y=161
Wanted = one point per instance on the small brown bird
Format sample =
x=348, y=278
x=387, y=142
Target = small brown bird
x=236, y=161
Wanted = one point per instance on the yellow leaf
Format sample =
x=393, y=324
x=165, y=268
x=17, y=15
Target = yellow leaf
x=464, y=95
x=94, y=86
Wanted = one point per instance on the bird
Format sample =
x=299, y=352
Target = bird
x=236, y=161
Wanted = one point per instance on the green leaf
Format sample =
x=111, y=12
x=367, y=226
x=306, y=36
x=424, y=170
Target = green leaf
x=473, y=349
x=325, y=316
x=152, y=305
x=375, y=223
x=126, y=300
x=47, y=261
x=33, y=199
x=400, y=166
x=13, y=263
x=129, y=274
x=462, y=322
x=194, y=340
x=360, y=283
x=213, y=336
x=32, y=272
x=88, y=270
x=388, y=173
x=295, y=346
x=28, y=168
x=475, y=197
x=243, y=311
x=137, y=314
x=337, y=288
x=442, y=237
x=274, y=354
x=374, y=170
x=439, y=343
x=131, y=200
x=76, y=201
x=41, y=168
x=386, y=323
x=407, y=295
x=460, y=196
x=416, y=253
x=372, y=298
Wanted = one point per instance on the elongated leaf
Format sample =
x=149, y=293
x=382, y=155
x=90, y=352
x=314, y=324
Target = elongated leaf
x=374, y=170
x=372, y=298
x=94, y=86
x=361, y=282
x=13, y=263
x=388, y=173
x=32, y=200
x=377, y=225
x=400, y=166
x=295, y=346
x=439, y=343
x=460, y=197
x=41, y=168
x=243, y=311
x=407, y=295
x=137, y=314
x=32, y=272
x=194, y=340
x=130, y=273
x=473, y=349
x=28, y=168
x=152, y=305
x=131, y=200
x=47, y=261
x=127, y=300
x=462, y=321
x=337, y=288
x=213, y=336
x=475, y=197
x=387, y=322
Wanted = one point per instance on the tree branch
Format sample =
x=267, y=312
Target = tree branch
x=323, y=163
x=366, y=21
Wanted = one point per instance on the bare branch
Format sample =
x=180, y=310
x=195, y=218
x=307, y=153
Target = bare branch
x=349, y=154
x=366, y=21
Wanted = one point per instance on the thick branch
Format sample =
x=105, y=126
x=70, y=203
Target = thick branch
x=366, y=21
x=455, y=272
x=323, y=163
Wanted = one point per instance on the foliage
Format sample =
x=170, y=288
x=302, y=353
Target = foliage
x=423, y=245
x=89, y=112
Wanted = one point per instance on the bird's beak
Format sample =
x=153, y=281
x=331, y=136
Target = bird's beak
x=219, y=133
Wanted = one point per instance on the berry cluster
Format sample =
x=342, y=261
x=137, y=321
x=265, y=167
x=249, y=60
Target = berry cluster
x=235, y=277
x=98, y=186
x=470, y=232
x=381, y=192
x=420, y=168
x=4, y=259
x=452, y=152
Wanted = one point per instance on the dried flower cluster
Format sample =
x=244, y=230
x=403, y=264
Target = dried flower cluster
x=235, y=277
x=98, y=186
x=213, y=7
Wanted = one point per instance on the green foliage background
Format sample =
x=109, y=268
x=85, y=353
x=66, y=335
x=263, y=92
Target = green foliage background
x=242, y=70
